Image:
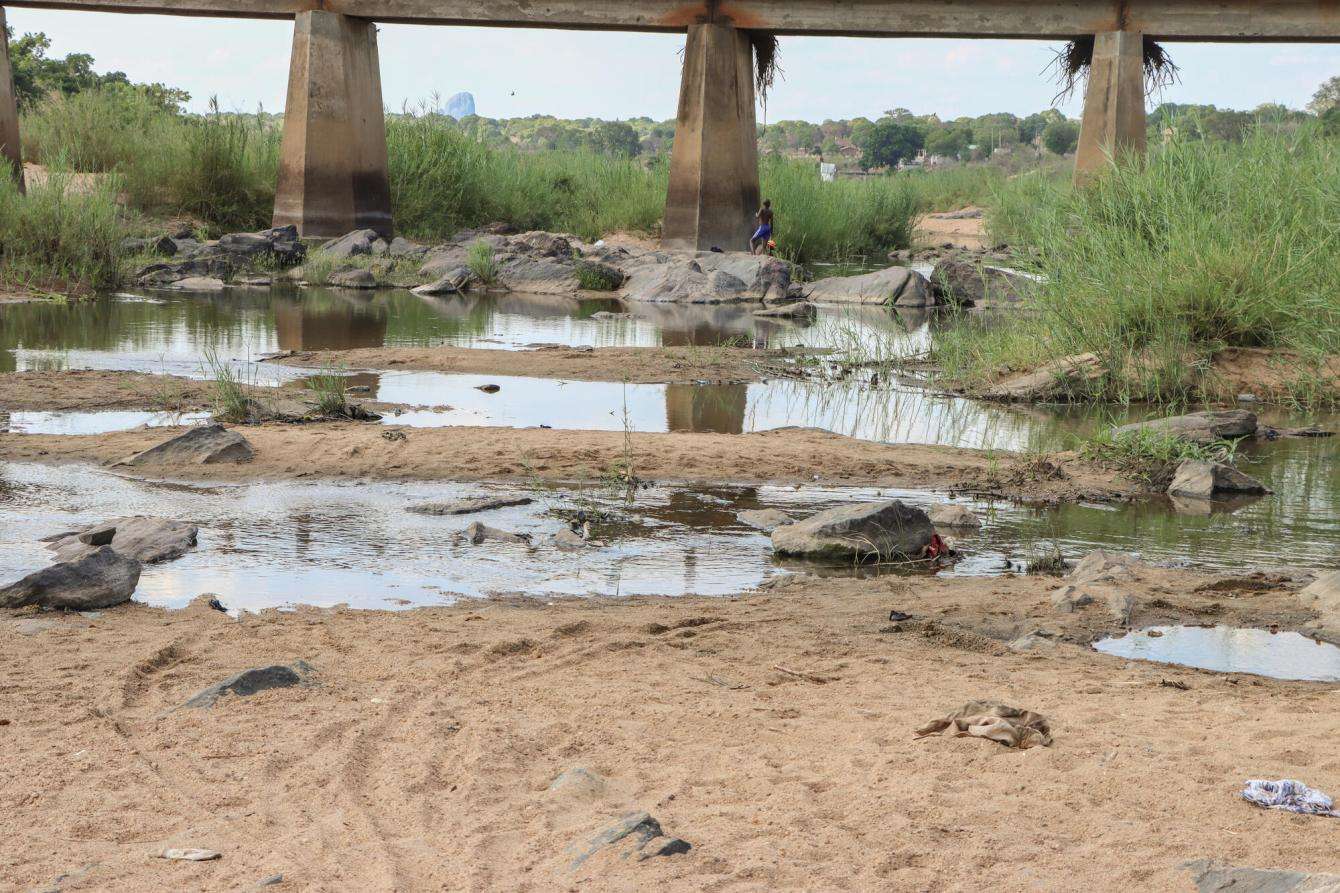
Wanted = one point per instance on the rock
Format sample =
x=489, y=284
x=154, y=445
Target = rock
x=270, y=881
x=766, y=520
x=968, y=284
x=886, y=530
x=100, y=579
x=1037, y=640
x=488, y=388
x=1200, y=427
x=680, y=277
x=469, y=506
x=605, y=314
x=637, y=832
x=580, y=781
x=1093, y=579
x=1206, y=479
x=952, y=515
x=205, y=445
x=1323, y=596
x=402, y=247
x=453, y=281
x=795, y=310
x=477, y=533
x=249, y=682
x=254, y=281
x=147, y=540
x=1060, y=378
x=190, y=855
x=569, y=540
x=542, y=244
x=351, y=244
x=163, y=275
x=354, y=278
x=199, y=283
x=881, y=287
x=1213, y=877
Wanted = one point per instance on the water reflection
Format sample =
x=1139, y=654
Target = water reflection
x=1284, y=655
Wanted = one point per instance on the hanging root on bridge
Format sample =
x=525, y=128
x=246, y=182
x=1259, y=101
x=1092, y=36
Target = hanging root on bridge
x=1073, y=61
x=766, y=68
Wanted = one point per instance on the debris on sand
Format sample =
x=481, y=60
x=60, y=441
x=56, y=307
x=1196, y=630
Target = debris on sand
x=1290, y=796
x=1010, y=726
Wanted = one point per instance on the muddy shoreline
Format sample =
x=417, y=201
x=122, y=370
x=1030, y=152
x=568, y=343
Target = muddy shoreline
x=450, y=724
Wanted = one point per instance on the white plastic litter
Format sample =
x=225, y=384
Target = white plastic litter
x=1289, y=795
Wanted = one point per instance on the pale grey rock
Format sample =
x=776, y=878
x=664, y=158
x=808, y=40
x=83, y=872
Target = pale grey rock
x=469, y=506
x=199, y=283
x=205, y=445
x=952, y=515
x=353, y=278
x=1200, y=427
x=147, y=540
x=359, y=241
x=1207, y=479
x=766, y=520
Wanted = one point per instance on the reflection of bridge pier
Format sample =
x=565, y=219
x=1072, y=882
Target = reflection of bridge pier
x=713, y=408
x=315, y=323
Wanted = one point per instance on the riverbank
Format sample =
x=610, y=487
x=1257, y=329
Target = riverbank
x=423, y=753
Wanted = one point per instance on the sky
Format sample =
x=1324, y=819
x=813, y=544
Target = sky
x=575, y=74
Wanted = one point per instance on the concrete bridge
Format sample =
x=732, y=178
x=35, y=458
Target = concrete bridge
x=333, y=169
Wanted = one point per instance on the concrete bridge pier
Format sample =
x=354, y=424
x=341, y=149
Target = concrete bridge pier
x=332, y=164
x=1114, y=104
x=10, y=154
x=714, y=190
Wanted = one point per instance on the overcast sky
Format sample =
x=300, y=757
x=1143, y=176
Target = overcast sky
x=575, y=74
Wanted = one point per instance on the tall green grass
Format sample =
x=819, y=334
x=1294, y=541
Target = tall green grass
x=62, y=236
x=1159, y=264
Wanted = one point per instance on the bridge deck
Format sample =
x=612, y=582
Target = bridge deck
x=1209, y=20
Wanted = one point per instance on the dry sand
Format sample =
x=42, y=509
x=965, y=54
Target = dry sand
x=963, y=232
x=371, y=451
x=421, y=759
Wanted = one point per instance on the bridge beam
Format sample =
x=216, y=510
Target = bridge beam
x=1114, y=103
x=714, y=191
x=332, y=164
x=11, y=154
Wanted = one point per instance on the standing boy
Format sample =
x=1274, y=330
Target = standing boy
x=763, y=234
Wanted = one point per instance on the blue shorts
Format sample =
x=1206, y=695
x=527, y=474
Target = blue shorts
x=764, y=232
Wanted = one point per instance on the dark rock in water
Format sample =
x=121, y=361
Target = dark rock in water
x=1200, y=427
x=477, y=533
x=357, y=242
x=355, y=278
x=885, y=530
x=1206, y=479
x=147, y=540
x=1214, y=877
x=100, y=579
x=249, y=682
x=637, y=832
x=158, y=275
x=455, y=280
x=469, y=506
x=489, y=388
x=968, y=284
x=206, y=445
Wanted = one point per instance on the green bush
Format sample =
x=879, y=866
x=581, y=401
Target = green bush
x=60, y=236
x=598, y=277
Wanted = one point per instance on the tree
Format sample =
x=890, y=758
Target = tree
x=948, y=142
x=616, y=138
x=1061, y=137
x=888, y=142
x=36, y=75
x=1327, y=97
x=1330, y=121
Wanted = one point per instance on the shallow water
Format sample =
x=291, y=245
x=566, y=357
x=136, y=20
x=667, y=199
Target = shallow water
x=95, y=422
x=1225, y=649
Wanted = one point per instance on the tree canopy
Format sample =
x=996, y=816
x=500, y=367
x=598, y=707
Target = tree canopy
x=36, y=74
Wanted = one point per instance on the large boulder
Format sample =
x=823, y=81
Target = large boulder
x=885, y=530
x=354, y=277
x=968, y=284
x=1100, y=578
x=205, y=445
x=453, y=281
x=147, y=540
x=100, y=579
x=1200, y=427
x=1214, y=877
x=359, y=241
x=706, y=277
x=896, y=285
x=1207, y=479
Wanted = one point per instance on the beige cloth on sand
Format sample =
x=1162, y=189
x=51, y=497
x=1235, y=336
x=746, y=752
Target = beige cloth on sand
x=987, y=719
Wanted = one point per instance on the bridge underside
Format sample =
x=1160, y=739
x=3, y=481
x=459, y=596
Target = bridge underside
x=333, y=172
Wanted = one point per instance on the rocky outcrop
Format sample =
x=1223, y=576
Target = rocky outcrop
x=1205, y=480
x=1065, y=377
x=100, y=579
x=360, y=241
x=706, y=277
x=1200, y=427
x=220, y=259
x=1099, y=579
x=968, y=284
x=884, y=530
x=147, y=540
x=206, y=445
x=897, y=285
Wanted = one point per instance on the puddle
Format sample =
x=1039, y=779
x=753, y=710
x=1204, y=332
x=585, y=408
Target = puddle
x=1225, y=649
x=100, y=422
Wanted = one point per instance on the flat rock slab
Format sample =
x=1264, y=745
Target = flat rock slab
x=1099, y=579
x=249, y=682
x=478, y=533
x=1208, y=479
x=190, y=855
x=100, y=579
x=1200, y=427
x=766, y=520
x=1061, y=377
x=147, y=540
x=895, y=285
x=957, y=516
x=206, y=445
x=635, y=833
x=1211, y=877
x=469, y=506
x=886, y=530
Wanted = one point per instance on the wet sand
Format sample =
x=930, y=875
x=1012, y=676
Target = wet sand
x=345, y=450
x=421, y=758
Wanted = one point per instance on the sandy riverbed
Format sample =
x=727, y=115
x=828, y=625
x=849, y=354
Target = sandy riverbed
x=422, y=757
